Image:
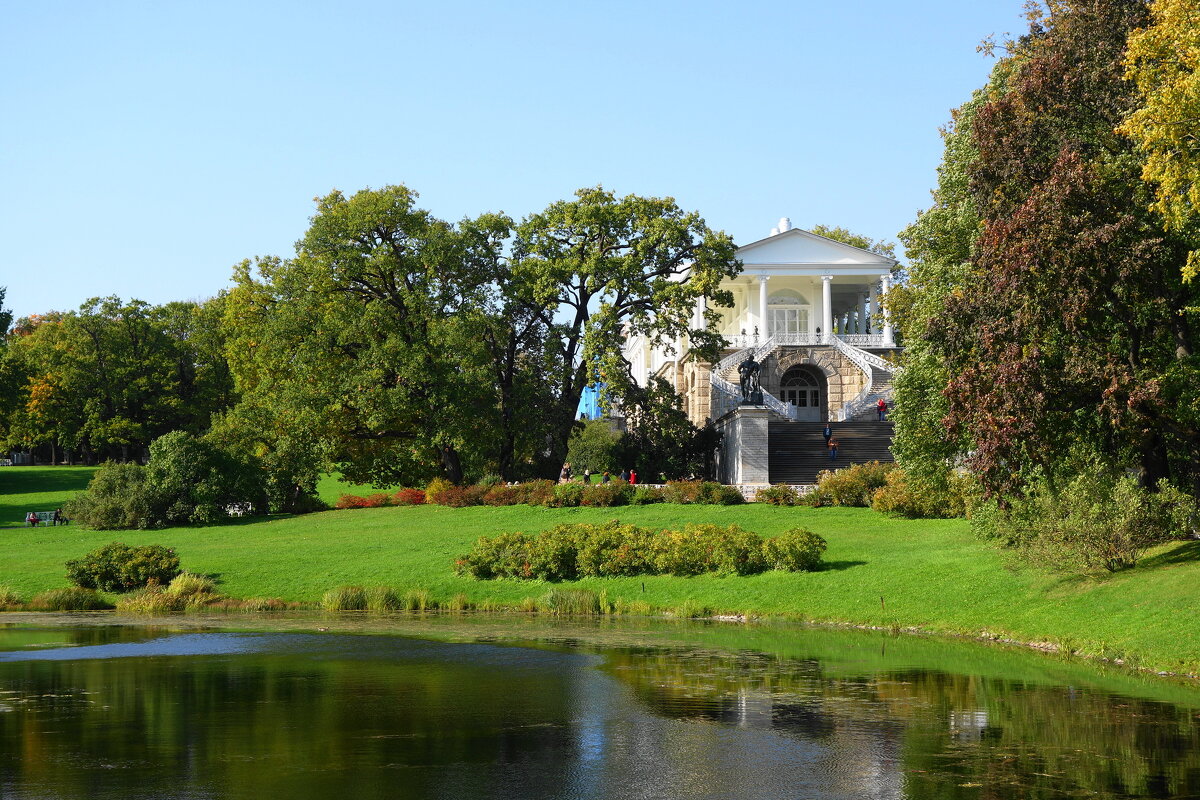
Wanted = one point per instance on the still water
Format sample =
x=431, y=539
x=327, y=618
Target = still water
x=443, y=708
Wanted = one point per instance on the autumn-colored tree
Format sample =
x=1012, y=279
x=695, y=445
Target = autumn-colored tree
x=1163, y=58
x=1066, y=338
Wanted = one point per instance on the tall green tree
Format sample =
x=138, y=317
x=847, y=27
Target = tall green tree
x=106, y=380
x=601, y=268
x=411, y=348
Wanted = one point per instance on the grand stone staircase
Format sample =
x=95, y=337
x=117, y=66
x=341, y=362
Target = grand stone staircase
x=796, y=450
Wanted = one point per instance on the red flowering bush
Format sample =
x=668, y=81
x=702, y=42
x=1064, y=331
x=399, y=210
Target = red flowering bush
x=351, y=501
x=409, y=497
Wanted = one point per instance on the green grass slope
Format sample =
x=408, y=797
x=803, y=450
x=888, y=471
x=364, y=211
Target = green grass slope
x=930, y=574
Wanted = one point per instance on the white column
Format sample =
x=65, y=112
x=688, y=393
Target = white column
x=872, y=304
x=698, y=322
x=827, y=307
x=862, y=313
x=889, y=335
x=763, y=325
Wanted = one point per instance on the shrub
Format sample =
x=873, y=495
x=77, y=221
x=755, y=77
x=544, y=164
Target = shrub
x=645, y=495
x=684, y=492
x=345, y=598
x=435, y=488
x=567, y=495
x=852, y=486
x=115, y=499
x=795, y=550
x=553, y=555
x=409, y=497
x=718, y=494
x=489, y=480
x=778, y=495
x=350, y=501
x=947, y=496
x=571, y=551
x=708, y=548
x=117, y=567
x=538, y=493
x=72, y=599
x=503, y=495
x=604, y=495
x=504, y=555
x=459, y=496
x=379, y=500
x=1095, y=522
x=9, y=599
x=613, y=549
x=383, y=598
x=189, y=480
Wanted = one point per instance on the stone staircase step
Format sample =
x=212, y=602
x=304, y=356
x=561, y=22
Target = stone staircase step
x=796, y=451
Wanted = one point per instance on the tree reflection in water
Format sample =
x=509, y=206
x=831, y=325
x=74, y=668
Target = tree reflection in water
x=147, y=713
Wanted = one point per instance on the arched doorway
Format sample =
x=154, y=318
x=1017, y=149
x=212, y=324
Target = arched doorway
x=802, y=388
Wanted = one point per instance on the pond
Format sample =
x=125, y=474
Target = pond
x=309, y=706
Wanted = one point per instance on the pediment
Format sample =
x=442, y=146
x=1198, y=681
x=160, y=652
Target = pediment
x=797, y=248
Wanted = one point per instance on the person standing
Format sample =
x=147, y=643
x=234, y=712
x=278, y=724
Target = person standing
x=827, y=432
x=587, y=475
x=633, y=477
x=625, y=475
x=605, y=478
x=881, y=407
x=833, y=448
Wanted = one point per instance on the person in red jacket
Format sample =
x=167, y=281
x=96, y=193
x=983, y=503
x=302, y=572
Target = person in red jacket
x=633, y=477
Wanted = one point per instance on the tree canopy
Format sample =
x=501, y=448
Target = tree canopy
x=1048, y=298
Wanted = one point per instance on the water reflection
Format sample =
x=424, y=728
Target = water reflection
x=161, y=713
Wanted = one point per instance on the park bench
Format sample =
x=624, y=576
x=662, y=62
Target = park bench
x=239, y=509
x=44, y=518
x=5, y=462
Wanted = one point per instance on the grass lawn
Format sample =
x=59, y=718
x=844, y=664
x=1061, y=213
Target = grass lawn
x=931, y=574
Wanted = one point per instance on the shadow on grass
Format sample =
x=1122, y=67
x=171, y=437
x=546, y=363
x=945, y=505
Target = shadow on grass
x=30, y=480
x=1182, y=553
x=840, y=565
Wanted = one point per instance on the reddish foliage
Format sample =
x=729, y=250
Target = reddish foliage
x=409, y=497
x=351, y=501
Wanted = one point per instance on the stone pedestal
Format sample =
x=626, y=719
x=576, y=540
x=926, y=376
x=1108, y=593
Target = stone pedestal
x=744, y=446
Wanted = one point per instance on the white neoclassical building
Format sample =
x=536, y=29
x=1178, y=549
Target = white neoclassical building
x=807, y=309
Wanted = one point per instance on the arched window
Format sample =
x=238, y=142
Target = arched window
x=788, y=311
x=800, y=388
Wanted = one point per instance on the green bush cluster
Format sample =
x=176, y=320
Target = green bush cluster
x=1095, y=522
x=572, y=551
x=189, y=480
x=117, y=567
x=941, y=497
x=778, y=495
x=853, y=486
x=555, y=495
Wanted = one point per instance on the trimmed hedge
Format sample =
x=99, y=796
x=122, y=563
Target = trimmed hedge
x=572, y=551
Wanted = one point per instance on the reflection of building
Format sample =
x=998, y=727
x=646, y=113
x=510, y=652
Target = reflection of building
x=807, y=309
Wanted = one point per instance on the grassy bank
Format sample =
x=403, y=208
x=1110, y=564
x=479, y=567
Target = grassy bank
x=932, y=575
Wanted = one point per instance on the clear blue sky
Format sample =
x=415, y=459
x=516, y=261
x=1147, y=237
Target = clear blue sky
x=146, y=147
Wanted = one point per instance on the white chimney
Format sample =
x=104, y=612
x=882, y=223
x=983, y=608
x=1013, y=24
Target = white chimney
x=785, y=224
